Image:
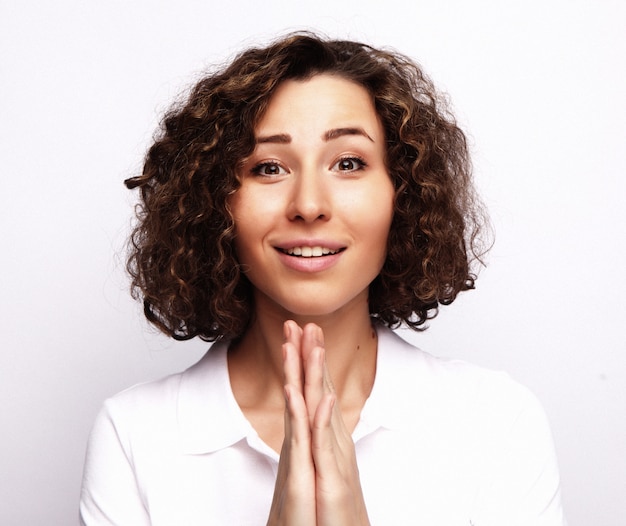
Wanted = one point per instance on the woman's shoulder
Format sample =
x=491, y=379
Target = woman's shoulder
x=399, y=354
x=449, y=387
x=470, y=427
x=159, y=400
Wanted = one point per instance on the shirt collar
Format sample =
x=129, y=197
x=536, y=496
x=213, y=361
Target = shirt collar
x=400, y=385
x=209, y=417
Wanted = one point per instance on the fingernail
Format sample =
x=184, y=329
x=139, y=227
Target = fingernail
x=286, y=330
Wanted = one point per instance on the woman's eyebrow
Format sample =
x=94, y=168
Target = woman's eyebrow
x=280, y=138
x=285, y=138
x=340, y=132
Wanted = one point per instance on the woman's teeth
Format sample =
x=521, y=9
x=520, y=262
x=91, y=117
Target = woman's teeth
x=310, y=252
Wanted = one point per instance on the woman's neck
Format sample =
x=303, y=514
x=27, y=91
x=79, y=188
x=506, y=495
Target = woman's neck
x=255, y=361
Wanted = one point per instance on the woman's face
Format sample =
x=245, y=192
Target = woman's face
x=316, y=202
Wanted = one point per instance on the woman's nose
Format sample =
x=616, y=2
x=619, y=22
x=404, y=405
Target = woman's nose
x=309, y=199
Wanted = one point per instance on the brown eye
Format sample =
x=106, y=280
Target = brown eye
x=349, y=164
x=268, y=169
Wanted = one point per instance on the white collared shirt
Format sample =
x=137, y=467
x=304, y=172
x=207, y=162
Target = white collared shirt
x=439, y=443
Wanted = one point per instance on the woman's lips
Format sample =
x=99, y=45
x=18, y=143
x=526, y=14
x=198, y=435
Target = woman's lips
x=310, y=252
x=310, y=258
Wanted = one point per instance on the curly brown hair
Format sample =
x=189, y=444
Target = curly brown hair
x=182, y=260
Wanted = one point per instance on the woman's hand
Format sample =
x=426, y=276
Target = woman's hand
x=294, y=494
x=318, y=473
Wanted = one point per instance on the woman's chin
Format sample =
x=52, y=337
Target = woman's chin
x=318, y=311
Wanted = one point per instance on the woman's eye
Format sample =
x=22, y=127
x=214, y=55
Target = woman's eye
x=269, y=169
x=349, y=164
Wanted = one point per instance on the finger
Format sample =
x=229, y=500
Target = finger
x=324, y=387
x=294, y=493
x=297, y=447
x=337, y=422
x=312, y=336
x=292, y=332
x=296, y=461
x=292, y=361
x=288, y=454
x=292, y=366
x=314, y=356
x=297, y=432
x=312, y=339
x=322, y=431
x=323, y=441
x=297, y=425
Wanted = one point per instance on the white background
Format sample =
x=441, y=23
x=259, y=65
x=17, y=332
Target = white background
x=539, y=85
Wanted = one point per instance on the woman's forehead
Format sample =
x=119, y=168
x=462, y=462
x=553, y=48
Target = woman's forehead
x=323, y=103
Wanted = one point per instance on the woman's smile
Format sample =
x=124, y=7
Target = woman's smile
x=310, y=259
x=309, y=252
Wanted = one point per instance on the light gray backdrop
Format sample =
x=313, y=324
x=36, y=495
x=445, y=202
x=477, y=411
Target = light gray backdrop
x=540, y=86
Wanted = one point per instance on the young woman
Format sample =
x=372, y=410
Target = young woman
x=304, y=200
